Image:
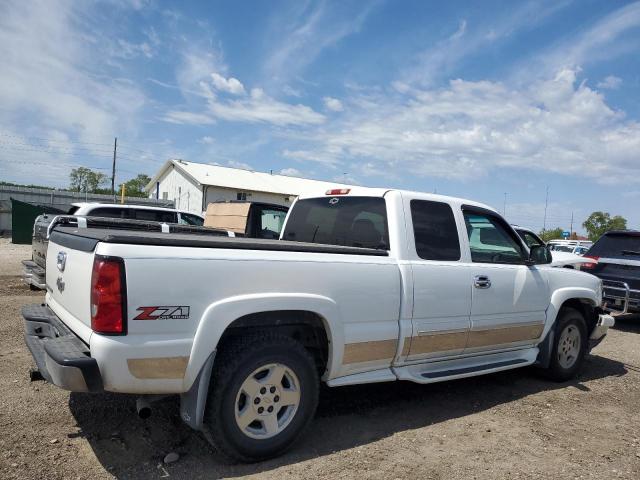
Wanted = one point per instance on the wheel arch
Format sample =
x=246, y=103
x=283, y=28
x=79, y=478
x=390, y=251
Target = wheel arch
x=234, y=314
x=581, y=299
x=262, y=312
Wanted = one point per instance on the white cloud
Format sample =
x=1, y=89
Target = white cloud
x=301, y=33
x=291, y=172
x=291, y=92
x=207, y=140
x=610, y=83
x=187, y=118
x=323, y=156
x=237, y=164
x=469, y=129
x=599, y=42
x=50, y=72
x=438, y=61
x=194, y=72
x=230, y=85
x=333, y=104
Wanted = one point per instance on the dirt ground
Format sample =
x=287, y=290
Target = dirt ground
x=506, y=425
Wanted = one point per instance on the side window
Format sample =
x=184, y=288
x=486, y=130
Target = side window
x=188, y=219
x=109, y=212
x=490, y=241
x=435, y=231
x=271, y=223
x=155, y=216
x=531, y=240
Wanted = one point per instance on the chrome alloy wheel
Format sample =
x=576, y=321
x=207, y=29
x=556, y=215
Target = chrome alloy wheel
x=569, y=346
x=267, y=401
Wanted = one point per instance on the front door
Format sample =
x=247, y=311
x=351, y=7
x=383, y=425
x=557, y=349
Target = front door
x=509, y=299
x=441, y=289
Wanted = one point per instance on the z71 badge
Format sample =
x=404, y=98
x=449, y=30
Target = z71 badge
x=163, y=313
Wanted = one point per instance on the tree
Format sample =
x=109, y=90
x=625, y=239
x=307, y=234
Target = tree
x=83, y=179
x=553, y=234
x=600, y=222
x=135, y=186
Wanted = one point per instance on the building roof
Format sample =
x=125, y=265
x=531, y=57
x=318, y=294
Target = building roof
x=241, y=179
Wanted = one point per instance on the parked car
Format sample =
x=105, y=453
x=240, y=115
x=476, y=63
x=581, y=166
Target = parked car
x=575, y=249
x=616, y=260
x=560, y=257
x=34, y=269
x=247, y=219
x=365, y=285
x=562, y=245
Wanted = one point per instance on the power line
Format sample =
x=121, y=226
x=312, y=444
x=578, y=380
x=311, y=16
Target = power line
x=52, y=140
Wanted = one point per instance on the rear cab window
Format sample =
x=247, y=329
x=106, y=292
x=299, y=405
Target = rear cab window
x=435, y=231
x=345, y=221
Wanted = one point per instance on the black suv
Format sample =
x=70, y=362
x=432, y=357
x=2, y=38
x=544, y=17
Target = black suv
x=618, y=256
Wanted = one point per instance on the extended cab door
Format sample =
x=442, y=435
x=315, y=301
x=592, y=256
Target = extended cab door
x=441, y=288
x=509, y=299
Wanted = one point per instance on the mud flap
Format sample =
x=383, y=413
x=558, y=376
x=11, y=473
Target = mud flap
x=546, y=346
x=194, y=401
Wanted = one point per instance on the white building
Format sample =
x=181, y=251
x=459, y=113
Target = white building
x=194, y=185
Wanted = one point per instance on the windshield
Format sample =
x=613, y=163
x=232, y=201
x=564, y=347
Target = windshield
x=347, y=221
x=564, y=248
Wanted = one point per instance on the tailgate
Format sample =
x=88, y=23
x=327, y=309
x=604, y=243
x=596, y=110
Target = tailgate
x=69, y=286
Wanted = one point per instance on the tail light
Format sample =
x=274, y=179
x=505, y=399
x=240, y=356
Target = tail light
x=108, y=296
x=590, y=265
x=338, y=191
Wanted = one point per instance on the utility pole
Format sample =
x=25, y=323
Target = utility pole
x=504, y=208
x=113, y=172
x=571, y=229
x=546, y=202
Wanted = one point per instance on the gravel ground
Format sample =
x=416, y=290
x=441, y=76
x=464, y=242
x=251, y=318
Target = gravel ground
x=506, y=425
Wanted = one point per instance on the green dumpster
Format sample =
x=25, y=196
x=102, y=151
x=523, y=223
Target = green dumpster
x=23, y=215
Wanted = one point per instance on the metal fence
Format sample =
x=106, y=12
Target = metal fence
x=60, y=199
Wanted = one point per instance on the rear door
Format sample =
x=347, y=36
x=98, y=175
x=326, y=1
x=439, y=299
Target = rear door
x=441, y=287
x=509, y=299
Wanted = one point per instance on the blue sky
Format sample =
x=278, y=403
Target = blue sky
x=471, y=99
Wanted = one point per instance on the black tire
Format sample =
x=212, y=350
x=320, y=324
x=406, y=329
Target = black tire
x=33, y=287
x=234, y=363
x=567, y=318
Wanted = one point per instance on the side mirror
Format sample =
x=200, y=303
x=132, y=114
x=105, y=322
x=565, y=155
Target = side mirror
x=539, y=255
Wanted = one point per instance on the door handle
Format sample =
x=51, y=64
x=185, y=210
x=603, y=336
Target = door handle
x=481, y=281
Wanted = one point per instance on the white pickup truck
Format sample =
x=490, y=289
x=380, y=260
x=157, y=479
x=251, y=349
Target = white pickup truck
x=365, y=285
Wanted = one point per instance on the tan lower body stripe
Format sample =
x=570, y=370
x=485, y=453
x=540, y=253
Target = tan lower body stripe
x=369, y=351
x=458, y=340
x=499, y=336
x=158, y=368
x=439, y=342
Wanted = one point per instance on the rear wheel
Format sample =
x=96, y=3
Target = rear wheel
x=570, y=346
x=262, y=396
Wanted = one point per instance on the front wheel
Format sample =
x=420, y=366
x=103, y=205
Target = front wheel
x=263, y=394
x=570, y=346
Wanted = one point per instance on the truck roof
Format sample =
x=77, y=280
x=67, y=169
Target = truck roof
x=381, y=192
x=125, y=205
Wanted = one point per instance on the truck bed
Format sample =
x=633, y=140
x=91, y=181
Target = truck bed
x=85, y=239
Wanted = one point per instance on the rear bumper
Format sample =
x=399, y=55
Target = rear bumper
x=33, y=274
x=62, y=358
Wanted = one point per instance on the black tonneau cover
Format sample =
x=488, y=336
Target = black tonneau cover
x=86, y=239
